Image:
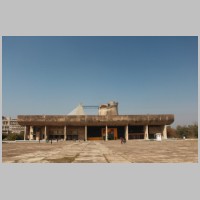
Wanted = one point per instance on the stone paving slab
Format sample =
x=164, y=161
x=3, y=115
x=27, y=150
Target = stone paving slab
x=134, y=151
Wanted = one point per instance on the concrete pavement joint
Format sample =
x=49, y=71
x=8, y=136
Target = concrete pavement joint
x=106, y=158
x=179, y=151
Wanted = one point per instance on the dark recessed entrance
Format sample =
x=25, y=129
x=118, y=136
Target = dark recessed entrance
x=136, y=132
x=94, y=131
x=72, y=137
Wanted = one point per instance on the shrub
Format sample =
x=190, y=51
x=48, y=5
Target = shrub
x=4, y=136
x=12, y=136
x=20, y=136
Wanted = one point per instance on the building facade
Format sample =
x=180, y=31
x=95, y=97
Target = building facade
x=107, y=125
x=10, y=125
x=39, y=127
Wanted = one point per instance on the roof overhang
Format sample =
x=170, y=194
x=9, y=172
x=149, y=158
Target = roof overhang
x=94, y=120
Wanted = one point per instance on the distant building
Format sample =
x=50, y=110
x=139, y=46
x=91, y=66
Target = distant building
x=107, y=125
x=11, y=125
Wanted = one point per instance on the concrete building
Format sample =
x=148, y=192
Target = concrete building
x=108, y=125
x=10, y=125
x=109, y=109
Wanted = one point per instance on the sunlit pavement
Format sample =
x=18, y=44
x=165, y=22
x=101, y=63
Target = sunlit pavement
x=134, y=151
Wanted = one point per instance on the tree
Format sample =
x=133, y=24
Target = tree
x=182, y=131
x=190, y=131
x=193, y=130
x=171, y=132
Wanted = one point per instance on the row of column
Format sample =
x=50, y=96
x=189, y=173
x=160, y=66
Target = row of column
x=65, y=133
x=31, y=132
x=146, y=132
x=45, y=132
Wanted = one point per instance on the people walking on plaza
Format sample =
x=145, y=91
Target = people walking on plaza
x=123, y=140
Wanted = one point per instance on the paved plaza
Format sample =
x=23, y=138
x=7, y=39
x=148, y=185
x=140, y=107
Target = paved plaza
x=134, y=151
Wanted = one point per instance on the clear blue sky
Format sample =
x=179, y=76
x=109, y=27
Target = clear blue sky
x=146, y=75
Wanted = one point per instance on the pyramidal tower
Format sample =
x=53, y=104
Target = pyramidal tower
x=78, y=110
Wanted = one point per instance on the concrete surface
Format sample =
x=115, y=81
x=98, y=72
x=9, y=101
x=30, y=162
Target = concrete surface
x=134, y=151
x=94, y=120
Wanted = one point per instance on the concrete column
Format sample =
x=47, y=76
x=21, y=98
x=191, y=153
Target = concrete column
x=45, y=132
x=165, y=132
x=106, y=133
x=31, y=133
x=146, y=132
x=65, y=133
x=37, y=135
x=25, y=133
x=85, y=133
x=126, y=132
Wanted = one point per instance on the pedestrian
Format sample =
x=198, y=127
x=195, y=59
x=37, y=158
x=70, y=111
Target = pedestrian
x=51, y=140
x=121, y=140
